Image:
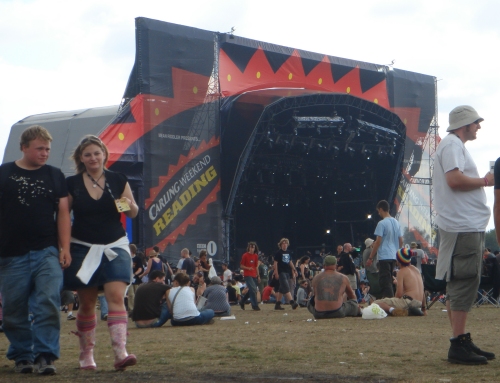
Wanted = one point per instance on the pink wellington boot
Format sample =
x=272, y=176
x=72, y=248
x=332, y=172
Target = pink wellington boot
x=118, y=334
x=87, y=343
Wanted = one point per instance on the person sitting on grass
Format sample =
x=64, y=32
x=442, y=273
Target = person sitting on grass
x=181, y=303
x=233, y=295
x=217, y=300
x=150, y=308
x=302, y=295
x=269, y=295
x=328, y=299
x=410, y=289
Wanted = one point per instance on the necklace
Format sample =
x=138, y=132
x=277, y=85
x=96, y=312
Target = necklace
x=95, y=182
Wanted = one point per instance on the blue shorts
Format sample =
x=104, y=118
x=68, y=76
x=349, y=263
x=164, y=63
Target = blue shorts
x=119, y=269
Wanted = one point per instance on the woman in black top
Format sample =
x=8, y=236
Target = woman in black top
x=100, y=248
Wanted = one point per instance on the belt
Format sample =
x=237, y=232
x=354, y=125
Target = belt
x=407, y=297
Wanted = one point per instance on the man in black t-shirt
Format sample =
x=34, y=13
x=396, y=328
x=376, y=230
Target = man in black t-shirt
x=283, y=269
x=34, y=248
x=150, y=309
x=345, y=265
x=188, y=265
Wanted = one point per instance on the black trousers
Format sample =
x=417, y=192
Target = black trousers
x=386, y=268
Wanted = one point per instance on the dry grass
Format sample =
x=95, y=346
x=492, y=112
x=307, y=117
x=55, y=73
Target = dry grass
x=284, y=347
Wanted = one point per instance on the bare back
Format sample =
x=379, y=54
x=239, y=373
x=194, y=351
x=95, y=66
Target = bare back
x=411, y=283
x=329, y=288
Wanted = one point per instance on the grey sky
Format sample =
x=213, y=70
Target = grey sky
x=61, y=55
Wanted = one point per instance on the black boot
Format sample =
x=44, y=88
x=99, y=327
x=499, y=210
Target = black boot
x=461, y=353
x=294, y=304
x=477, y=350
x=277, y=306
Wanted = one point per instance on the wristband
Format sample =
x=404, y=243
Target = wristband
x=486, y=182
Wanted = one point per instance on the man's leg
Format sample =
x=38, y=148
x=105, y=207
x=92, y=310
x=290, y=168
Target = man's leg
x=385, y=278
x=252, y=290
x=15, y=280
x=47, y=278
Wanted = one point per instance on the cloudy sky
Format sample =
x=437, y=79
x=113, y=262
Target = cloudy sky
x=62, y=55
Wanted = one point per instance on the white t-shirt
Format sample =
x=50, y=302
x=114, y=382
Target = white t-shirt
x=420, y=255
x=179, y=264
x=184, y=306
x=227, y=276
x=457, y=211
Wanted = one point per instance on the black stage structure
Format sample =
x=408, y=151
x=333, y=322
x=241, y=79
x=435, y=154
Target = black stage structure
x=229, y=140
x=308, y=166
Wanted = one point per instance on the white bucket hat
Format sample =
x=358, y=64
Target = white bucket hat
x=463, y=115
x=369, y=242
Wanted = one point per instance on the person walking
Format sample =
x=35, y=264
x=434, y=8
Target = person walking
x=283, y=268
x=101, y=253
x=249, y=264
x=34, y=248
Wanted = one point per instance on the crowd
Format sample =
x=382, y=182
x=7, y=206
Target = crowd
x=93, y=260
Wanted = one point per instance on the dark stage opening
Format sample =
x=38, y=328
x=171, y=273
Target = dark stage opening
x=311, y=167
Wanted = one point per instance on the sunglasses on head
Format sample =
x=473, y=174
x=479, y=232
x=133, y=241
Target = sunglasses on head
x=91, y=139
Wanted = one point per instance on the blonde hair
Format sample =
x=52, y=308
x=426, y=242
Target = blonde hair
x=32, y=133
x=283, y=240
x=87, y=141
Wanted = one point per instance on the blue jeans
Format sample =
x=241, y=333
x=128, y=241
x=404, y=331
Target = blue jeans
x=204, y=317
x=164, y=317
x=31, y=281
x=103, y=303
x=251, y=283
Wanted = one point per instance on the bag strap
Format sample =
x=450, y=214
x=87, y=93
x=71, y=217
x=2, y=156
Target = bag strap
x=173, y=300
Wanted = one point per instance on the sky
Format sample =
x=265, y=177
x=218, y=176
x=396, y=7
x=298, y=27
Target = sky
x=58, y=55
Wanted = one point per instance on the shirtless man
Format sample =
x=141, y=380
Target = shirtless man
x=410, y=289
x=328, y=291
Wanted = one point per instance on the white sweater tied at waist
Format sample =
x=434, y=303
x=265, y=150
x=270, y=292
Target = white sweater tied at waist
x=93, y=258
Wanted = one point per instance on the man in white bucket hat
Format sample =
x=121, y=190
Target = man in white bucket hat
x=462, y=217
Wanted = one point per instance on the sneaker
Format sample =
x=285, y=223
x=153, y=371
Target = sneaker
x=477, y=350
x=105, y=317
x=24, y=367
x=242, y=304
x=71, y=317
x=44, y=365
x=256, y=308
x=399, y=313
x=460, y=352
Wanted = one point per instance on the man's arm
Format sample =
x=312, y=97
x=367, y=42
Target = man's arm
x=496, y=214
x=375, y=247
x=459, y=181
x=169, y=304
x=64, y=232
x=292, y=267
x=242, y=264
x=275, y=268
x=348, y=290
x=400, y=242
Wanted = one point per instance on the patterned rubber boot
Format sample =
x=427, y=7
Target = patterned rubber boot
x=86, y=334
x=118, y=333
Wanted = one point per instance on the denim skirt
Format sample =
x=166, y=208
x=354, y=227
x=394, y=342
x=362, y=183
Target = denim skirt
x=119, y=269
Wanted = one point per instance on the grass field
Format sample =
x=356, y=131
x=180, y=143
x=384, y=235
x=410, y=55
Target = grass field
x=286, y=346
